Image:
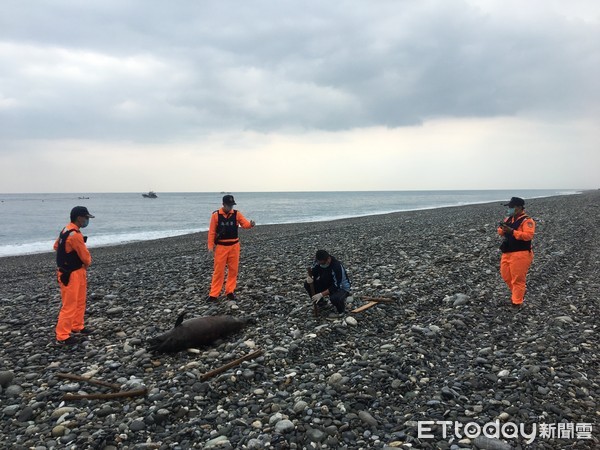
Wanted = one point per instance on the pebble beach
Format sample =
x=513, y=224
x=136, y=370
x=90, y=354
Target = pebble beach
x=446, y=347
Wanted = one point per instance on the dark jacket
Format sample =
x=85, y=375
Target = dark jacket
x=332, y=278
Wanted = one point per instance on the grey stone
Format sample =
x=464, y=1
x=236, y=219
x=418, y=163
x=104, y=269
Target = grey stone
x=564, y=319
x=284, y=426
x=486, y=443
x=25, y=415
x=460, y=299
x=367, y=418
x=13, y=390
x=61, y=412
x=137, y=425
x=11, y=410
x=315, y=435
x=58, y=431
x=6, y=378
x=300, y=406
x=217, y=442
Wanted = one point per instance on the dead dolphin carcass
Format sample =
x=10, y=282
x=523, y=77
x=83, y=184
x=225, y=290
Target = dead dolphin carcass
x=195, y=332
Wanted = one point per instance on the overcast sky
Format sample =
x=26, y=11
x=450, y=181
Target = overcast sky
x=116, y=95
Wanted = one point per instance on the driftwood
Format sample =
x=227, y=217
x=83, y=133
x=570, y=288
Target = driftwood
x=114, y=387
x=378, y=299
x=311, y=286
x=231, y=364
x=120, y=394
x=372, y=301
x=363, y=307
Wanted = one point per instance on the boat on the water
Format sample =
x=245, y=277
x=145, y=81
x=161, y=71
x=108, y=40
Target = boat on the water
x=150, y=194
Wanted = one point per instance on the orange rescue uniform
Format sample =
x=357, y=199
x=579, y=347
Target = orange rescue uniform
x=226, y=253
x=514, y=265
x=70, y=317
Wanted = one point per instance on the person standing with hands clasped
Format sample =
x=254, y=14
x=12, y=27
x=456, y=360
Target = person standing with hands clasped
x=328, y=278
x=72, y=260
x=224, y=244
x=518, y=230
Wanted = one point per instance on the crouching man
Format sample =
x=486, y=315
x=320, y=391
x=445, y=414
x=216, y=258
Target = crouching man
x=328, y=278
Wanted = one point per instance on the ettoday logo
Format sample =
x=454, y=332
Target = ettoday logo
x=508, y=430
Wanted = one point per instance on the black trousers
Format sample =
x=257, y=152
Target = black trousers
x=337, y=299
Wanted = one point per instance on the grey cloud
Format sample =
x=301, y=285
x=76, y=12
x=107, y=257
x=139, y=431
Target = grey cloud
x=158, y=71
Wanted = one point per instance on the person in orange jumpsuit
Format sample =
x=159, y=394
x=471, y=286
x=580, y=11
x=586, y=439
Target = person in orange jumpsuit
x=224, y=243
x=72, y=260
x=518, y=230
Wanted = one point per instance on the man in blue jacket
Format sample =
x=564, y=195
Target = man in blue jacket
x=328, y=278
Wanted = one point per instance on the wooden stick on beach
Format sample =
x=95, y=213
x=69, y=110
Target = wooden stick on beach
x=231, y=364
x=114, y=387
x=111, y=395
x=363, y=307
x=311, y=286
x=378, y=299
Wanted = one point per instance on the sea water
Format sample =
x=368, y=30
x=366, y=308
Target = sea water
x=29, y=223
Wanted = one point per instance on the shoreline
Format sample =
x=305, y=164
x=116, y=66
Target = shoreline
x=337, y=218
x=281, y=192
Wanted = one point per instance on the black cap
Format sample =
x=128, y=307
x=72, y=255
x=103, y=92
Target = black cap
x=515, y=201
x=321, y=255
x=80, y=211
x=229, y=200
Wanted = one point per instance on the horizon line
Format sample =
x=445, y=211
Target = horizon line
x=301, y=191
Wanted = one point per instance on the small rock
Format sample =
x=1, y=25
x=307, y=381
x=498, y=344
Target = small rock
x=220, y=441
x=6, y=378
x=503, y=417
x=59, y=412
x=11, y=410
x=70, y=387
x=13, y=391
x=58, y=431
x=351, y=321
x=284, y=426
x=367, y=418
x=137, y=425
x=564, y=319
x=314, y=435
x=335, y=378
x=434, y=329
x=486, y=443
x=460, y=299
x=25, y=415
x=300, y=406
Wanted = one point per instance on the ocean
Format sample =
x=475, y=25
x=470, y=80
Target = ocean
x=29, y=223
